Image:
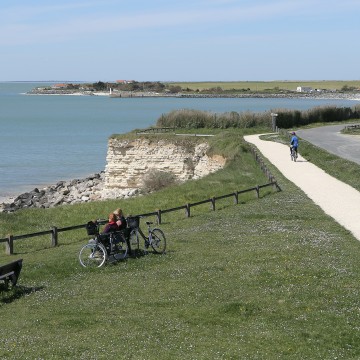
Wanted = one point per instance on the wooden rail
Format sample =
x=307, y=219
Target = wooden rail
x=54, y=231
x=349, y=127
x=157, y=130
x=263, y=167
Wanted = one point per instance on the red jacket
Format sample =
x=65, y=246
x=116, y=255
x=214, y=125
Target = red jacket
x=110, y=227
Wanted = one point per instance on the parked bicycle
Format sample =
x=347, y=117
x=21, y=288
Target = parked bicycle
x=103, y=247
x=154, y=239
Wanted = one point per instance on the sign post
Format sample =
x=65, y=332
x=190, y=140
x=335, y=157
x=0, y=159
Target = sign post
x=273, y=121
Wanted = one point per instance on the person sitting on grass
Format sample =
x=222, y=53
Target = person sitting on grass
x=111, y=226
x=122, y=224
x=120, y=219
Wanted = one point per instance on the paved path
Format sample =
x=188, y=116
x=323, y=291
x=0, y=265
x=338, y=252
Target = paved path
x=337, y=199
x=330, y=139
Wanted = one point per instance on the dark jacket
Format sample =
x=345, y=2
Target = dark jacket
x=123, y=223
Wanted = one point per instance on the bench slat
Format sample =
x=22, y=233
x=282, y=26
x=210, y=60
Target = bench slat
x=7, y=275
x=11, y=272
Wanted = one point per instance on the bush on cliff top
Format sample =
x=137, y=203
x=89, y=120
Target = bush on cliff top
x=286, y=118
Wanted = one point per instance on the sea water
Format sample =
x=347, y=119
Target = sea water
x=48, y=138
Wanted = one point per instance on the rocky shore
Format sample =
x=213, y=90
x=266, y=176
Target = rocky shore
x=294, y=95
x=63, y=193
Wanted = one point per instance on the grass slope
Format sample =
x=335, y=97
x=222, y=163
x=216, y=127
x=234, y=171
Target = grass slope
x=266, y=279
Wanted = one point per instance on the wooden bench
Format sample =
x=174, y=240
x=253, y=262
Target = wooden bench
x=11, y=272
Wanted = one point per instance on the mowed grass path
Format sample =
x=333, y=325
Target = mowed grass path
x=273, y=278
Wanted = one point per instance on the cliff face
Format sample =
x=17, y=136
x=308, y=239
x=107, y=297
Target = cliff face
x=128, y=161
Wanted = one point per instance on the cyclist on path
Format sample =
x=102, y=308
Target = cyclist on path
x=294, y=143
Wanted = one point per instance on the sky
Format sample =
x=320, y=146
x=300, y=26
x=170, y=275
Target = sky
x=179, y=40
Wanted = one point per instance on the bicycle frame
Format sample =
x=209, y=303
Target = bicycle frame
x=155, y=238
x=293, y=153
x=145, y=238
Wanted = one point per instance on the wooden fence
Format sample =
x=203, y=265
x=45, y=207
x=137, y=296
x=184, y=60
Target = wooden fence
x=54, y=231
x=157, y=130
x=351, y=127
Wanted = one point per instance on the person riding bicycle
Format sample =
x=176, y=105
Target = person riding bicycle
x=294, y=143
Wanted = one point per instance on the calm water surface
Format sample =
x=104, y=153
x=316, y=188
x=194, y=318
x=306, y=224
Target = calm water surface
x=44, y=139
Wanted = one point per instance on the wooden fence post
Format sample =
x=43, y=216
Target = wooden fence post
x=9, y=245
x=257, y=191
x=236, y=197
x=187, y=210
x=158, y=216
x=213, y=203
x=277, y=186
x=54, y=236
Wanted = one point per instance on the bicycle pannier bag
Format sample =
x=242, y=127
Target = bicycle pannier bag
x=91, y=228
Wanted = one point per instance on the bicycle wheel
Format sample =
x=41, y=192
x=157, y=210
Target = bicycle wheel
x=134, y=241
x=92, y=255
x=158, y=241
x=121, y=248
x=292, y=154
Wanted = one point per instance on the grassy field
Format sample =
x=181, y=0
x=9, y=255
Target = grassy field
x=269, y=278
x=266, y=85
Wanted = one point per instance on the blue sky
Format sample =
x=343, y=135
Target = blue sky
x=184, y=40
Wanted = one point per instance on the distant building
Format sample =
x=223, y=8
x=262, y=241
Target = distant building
x=304, y=89
x=59, y=86
x=125, y=81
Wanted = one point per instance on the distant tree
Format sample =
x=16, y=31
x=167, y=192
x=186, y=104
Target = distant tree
x=73, y=86
x=347, y=88
x=99, y=86
x=158, y=87
x=132, y=86
x=175, y=89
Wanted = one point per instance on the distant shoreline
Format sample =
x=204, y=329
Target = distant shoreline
x=260, y=95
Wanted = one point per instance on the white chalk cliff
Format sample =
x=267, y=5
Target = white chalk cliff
x=128, y=161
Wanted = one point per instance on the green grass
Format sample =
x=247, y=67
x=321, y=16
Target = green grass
x=266, y=85
x=271, y=278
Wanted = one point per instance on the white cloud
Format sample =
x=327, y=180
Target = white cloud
x=22, y=25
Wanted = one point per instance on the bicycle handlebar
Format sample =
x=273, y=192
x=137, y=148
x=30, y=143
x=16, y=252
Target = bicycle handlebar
x=100, y=221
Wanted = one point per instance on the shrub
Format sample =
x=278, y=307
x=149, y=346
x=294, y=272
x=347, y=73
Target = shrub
x=196, y=119
x=286, y=119
x=156, y=179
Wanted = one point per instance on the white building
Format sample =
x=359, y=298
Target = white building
x=304, y=89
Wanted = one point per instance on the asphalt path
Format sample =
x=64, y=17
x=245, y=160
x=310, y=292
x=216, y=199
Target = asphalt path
x=337, y=199
x=330, y=139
